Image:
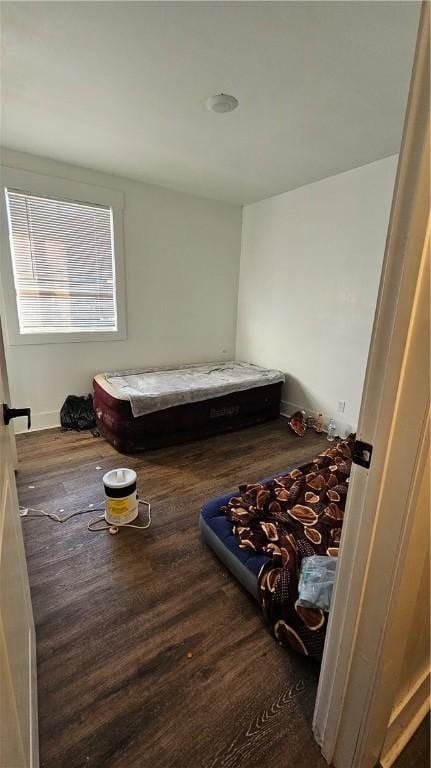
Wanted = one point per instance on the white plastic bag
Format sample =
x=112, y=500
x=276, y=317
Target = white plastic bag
x=316, y=580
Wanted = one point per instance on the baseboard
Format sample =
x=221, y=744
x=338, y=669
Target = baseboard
x=286, y=408
x=406, y=719
x=42, y=420
x=51, y=419
x=343, y=427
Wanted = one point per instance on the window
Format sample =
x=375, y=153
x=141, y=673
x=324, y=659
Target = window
x=63, y=264
x=61, y=260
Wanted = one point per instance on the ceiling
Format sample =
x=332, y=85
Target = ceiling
x=121, y=87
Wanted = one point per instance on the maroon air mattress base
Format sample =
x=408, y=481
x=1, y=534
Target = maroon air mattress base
x=182, y=422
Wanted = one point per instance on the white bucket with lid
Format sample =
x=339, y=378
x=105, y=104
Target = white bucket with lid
x=121, y=496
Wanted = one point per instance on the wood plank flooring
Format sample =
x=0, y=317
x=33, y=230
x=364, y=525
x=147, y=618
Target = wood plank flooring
x=117, y=616
x=417, y=753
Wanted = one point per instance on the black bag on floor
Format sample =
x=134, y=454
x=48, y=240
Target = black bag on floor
x=78, y=413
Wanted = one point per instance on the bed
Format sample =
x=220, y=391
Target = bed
x=148, y=408
x=262, y=531
x=217, y=532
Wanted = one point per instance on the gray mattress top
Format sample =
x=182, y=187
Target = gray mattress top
x=153, y=389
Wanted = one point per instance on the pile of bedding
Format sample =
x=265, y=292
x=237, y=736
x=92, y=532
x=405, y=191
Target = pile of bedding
x=154, y=389
x=289, y=518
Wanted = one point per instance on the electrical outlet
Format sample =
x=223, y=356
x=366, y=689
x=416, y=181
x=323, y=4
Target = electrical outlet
x=341, y=406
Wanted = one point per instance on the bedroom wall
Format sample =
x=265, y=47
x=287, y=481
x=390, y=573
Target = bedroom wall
x=182, y=263
x=309, y=276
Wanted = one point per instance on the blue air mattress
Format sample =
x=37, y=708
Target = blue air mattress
x=217, y=533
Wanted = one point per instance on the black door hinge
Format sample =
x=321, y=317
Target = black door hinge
x=362, y=454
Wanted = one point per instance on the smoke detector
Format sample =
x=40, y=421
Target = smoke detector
x=221, y=102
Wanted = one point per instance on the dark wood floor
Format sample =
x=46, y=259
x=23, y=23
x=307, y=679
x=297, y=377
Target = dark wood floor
x=117, y=616
x=417, y=752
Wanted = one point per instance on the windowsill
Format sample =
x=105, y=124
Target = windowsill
x=24, y=339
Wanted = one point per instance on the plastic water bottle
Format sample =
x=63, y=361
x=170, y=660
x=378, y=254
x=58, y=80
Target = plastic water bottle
x=331, y=430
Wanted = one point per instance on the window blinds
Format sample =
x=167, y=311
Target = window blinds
x=62, y=253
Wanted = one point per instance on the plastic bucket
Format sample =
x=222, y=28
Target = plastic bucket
x=121, y=496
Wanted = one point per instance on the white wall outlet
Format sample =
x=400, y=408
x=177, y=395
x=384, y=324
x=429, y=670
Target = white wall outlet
x=341, y=406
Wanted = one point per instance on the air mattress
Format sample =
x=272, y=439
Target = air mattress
x=216, y=531
x=180, y=423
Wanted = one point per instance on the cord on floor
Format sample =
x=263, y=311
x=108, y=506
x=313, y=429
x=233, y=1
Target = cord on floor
x=33, y=513
x=115, y=528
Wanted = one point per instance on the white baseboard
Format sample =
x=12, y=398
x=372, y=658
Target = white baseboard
x=286, y=408
x=51, y=419
x=406, y=719
x=42, y=420
x=343, y=427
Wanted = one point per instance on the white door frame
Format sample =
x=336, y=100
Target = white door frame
x=19, y=740
x=358, y=679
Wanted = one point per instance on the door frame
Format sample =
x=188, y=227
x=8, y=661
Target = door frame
x=358, y=684
x=11, y=536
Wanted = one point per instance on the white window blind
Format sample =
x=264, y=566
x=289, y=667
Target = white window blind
x=63, y=264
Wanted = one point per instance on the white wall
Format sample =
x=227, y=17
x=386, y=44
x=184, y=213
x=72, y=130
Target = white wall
x=310, y=268
x=182, y=263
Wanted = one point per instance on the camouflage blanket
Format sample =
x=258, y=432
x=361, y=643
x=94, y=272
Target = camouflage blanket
x=292, y=517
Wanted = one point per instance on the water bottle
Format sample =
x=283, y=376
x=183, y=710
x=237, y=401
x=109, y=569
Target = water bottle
x=304, y=420
x=331, y=430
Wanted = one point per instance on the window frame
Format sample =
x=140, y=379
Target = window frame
x=63, y=189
